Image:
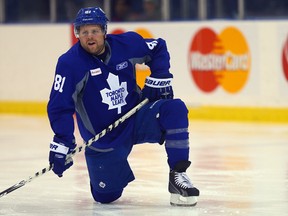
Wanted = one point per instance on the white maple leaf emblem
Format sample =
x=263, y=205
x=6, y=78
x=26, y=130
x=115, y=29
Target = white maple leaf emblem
x=116, y=95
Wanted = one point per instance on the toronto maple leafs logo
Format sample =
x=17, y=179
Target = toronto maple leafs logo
x=116, y=95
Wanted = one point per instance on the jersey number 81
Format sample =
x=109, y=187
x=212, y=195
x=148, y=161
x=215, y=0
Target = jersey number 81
x=59, y=83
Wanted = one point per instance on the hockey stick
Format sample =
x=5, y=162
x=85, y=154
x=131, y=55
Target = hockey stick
x=78, y=149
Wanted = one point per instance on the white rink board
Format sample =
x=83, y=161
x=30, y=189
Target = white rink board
x=29, y=54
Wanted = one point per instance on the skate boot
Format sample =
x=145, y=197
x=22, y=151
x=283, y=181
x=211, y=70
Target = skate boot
x=183, y=193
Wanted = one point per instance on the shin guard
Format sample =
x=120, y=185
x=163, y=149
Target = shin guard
x=174, y=120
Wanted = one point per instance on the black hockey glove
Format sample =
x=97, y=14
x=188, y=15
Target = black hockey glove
x=57, y=157
x=157, y=88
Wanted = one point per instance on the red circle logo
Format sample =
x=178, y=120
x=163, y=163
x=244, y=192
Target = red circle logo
x=285, y=59
x=222, y=59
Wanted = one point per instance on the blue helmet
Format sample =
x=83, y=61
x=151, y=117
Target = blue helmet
x=90, y=16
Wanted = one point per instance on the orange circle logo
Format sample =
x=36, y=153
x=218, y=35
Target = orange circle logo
x=222, y=59
x=285, y=59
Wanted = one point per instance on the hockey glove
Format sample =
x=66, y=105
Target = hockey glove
x=57, y=157
x=157, y=88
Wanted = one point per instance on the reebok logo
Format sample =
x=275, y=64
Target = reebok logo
x=122, y=65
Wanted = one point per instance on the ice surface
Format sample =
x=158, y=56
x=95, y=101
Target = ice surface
x=240, y=169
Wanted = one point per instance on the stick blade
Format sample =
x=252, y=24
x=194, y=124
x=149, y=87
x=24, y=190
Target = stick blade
x=12, y=188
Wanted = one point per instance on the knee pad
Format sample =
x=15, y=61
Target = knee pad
x=105, y=198
x=174, y=114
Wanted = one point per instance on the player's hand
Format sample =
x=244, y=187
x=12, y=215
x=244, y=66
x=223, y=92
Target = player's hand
x=157, y=88
x=57, y=157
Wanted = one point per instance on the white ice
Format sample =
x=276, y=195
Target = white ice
x=240, y=169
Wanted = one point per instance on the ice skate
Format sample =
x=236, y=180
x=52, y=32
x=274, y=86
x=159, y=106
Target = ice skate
x=183, y=193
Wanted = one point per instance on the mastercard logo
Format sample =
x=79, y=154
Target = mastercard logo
x=219, y=60
x=285, y=59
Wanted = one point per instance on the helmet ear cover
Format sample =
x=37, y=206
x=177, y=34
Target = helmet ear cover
x=90, y=16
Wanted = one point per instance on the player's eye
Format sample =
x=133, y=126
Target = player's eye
x=84, y=33
x=93, y=32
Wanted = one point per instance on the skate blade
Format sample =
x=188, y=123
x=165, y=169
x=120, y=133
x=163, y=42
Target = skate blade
x=178, y=200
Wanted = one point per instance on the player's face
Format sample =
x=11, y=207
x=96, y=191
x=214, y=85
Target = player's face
x=92, y=39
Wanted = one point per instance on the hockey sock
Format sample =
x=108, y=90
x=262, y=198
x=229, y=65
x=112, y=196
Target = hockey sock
x=174, y=119
x=176, y=155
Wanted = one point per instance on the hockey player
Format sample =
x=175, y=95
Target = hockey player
x=96, y=80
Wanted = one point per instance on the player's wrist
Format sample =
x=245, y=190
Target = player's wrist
x=158, y=82
x=59, y=148
x=70, y=143
x=157, y=88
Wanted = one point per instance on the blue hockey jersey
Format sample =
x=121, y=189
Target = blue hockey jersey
x=101, y=92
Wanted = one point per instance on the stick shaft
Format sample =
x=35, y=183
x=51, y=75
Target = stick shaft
x=78, y=149
x=108, y=129
x=23, y=182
